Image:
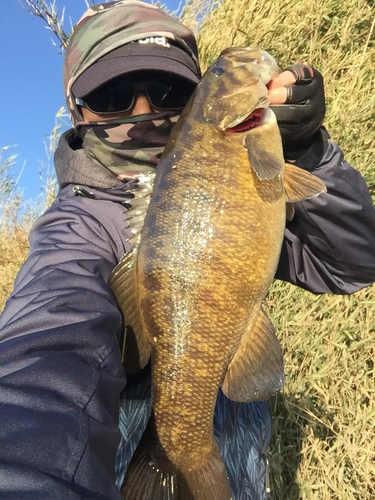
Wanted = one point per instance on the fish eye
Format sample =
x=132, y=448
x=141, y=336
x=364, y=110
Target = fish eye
x=218, y=71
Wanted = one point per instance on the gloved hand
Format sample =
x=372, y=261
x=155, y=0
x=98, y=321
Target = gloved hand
x=297, y=99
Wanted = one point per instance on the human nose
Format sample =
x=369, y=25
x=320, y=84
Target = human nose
x=141, y=105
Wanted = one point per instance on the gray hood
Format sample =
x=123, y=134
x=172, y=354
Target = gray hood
x=73, y=167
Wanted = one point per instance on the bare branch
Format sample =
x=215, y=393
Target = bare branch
x=50, y=15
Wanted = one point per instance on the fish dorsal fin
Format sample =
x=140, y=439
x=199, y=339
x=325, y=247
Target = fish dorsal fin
x=300, y=184
x=123, y=281
x=256, y=370
x=266, y=164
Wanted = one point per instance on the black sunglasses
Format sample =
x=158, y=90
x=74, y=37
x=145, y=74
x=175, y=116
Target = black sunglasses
x=116, y=97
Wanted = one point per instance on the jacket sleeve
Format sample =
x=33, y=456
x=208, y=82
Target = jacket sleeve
x=61, y=373
x=329, y=246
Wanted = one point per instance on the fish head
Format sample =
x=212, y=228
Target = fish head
x=236, y=89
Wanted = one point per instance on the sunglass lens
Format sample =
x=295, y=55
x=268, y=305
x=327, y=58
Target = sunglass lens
x=170, y=93
x=112, y=98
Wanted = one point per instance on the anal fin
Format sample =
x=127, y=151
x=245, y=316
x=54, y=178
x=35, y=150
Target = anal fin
x=256, y=370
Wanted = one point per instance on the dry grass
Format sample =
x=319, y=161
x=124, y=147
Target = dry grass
x=13, y=252
x=324, y=433
x=323, y=441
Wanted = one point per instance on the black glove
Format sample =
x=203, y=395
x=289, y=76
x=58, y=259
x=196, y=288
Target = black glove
x=301, y=116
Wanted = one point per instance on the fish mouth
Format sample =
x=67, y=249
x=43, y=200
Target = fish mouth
x=255, y=119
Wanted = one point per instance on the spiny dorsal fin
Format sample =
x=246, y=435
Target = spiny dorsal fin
x=123, y=280
x=256, y=370
x=300, y=184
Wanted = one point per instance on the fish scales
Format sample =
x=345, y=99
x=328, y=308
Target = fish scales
x=209, y=250
x=199, y=255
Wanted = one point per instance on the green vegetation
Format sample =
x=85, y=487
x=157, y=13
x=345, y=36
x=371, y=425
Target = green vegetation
x=323, y=446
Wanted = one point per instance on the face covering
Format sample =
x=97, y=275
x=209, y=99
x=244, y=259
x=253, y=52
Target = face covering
x=127, y=146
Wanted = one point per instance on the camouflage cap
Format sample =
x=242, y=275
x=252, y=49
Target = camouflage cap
x=157, y=54
x=105, y=28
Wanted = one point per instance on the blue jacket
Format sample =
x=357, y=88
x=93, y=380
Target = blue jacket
x=61, y=376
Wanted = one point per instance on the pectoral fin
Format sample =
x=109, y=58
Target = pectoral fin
x=300, y=184
x=266, y=164
x=123, y=282
x=256, y=371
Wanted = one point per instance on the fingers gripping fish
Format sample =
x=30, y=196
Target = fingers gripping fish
x=191, y=289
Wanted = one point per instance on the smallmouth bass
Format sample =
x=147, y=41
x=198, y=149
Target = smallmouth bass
x=191, y=289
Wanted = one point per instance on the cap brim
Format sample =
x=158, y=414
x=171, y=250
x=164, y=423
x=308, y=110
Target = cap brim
x=131, y=58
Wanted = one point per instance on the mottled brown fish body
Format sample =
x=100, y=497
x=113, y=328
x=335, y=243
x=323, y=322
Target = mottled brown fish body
x=192, y=293
x=210, y=252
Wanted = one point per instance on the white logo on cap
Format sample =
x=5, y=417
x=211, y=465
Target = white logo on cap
x=159, y=40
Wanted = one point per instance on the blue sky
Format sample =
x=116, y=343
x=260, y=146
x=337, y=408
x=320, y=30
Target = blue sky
x=31, y=86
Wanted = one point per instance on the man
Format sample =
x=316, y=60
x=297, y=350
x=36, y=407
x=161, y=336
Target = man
x=129, y=70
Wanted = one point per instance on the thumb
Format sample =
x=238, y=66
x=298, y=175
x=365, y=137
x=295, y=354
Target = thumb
x=278, y=88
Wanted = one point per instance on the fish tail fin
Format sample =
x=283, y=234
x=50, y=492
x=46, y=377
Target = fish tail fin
x=152, y=475
x=210, y=481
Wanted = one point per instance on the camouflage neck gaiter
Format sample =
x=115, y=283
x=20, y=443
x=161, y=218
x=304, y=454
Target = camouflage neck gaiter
x=127, y=146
